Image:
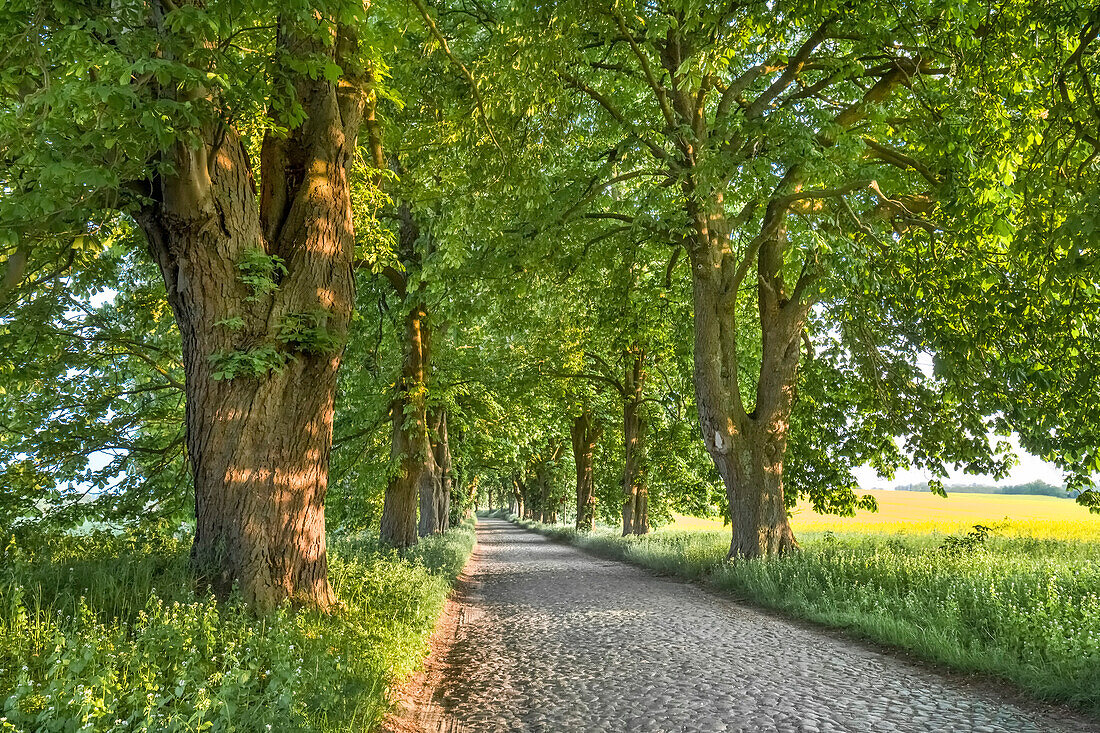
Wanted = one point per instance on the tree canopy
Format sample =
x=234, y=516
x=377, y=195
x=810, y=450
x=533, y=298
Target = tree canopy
x=596, y=260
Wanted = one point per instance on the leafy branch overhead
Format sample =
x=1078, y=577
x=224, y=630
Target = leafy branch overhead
x=352, y=255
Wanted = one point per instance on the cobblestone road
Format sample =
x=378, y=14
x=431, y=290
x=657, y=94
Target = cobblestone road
x=550, y=639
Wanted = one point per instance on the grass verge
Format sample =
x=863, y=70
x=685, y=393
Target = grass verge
x=105, y=632
x=1023, y=609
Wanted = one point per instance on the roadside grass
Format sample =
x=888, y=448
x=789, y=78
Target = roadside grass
x=105, y=632
x=1026, y=609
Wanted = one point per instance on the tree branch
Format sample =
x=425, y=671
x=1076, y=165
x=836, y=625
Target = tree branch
x=466, y=72
x=657, y=151
x=794, y=66
x=895, y=157
x=609, y=215
x=593, y=193
x=658, y=90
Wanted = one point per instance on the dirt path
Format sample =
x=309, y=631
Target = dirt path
x=544, y=638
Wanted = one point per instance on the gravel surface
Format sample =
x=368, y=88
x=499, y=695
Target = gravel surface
x=550, y=639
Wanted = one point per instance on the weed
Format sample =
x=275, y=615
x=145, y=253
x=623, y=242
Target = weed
x=105, y=632
x=970, y=541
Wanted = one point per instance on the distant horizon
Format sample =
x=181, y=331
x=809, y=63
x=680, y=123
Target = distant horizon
x=1030, y=468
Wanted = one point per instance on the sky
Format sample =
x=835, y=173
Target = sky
x=1029, y=468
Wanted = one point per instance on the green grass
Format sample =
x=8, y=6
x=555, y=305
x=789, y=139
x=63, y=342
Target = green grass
x=1021, y=608
x=104, y=632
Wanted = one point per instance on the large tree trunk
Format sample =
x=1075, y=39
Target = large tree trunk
x=428, y=493
x=527, y=497
x=430, y=490
x=758, y=511
x=262, y=291
x=635, y=503
x=585, y=435
x=411, y=444
x=747, y=449
x=546, y=510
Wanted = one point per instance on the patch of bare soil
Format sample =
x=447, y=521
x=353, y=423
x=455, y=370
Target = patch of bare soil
x=419, y=704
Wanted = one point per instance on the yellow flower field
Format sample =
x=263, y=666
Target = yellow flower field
x=917, y=512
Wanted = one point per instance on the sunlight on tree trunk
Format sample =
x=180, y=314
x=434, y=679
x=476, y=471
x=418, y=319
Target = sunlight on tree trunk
x=411, y=445
x=262, y=291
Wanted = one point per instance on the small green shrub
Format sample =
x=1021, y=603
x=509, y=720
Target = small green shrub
x=972, y=540
x=253, y=363
x=260, y=272
x=308, y=332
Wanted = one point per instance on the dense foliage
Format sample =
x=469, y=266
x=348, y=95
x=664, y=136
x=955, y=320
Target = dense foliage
x=265, y=265
x=548, y=243
x=101, y=631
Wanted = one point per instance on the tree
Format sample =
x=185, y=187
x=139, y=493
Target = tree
x=441, y=452
x=1024, y=344
x=798, y=154
x=418, y=146
x=635, y=491
x=585, y=434
x=154, y=111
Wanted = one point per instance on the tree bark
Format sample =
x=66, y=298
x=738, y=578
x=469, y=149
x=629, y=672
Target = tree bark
x=585, y=435
x=411, y=445
x=441, y=451
x=635, y=503
x=547, y=511
x=260, y=355
x=528, y=500
x=747, y=449
x=430, y=489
